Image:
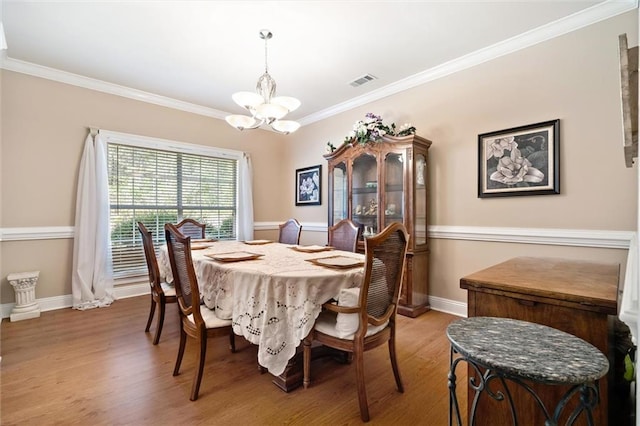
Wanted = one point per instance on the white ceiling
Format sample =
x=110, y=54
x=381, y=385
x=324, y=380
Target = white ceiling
x=195, y=54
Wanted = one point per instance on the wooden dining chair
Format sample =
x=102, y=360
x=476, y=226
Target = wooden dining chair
x=365, y=317
x=290, y=232
x=192, y=228
x=161, y=292
x=344, y=235
x=195, y=322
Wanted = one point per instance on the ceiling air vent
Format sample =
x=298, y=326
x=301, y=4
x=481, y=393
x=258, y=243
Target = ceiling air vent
x=362, y=80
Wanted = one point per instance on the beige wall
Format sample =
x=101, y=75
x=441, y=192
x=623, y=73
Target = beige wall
x=573, y=78
x=44, y=125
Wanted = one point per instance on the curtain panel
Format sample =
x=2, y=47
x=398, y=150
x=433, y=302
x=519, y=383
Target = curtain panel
x=92, y=275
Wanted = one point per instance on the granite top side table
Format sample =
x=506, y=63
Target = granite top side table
x=506, y=349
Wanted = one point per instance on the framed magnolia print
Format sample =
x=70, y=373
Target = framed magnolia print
x=308, y=189
x=523, y=160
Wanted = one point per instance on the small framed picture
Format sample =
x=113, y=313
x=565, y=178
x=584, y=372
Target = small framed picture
x=308, y=186
x=523, y=160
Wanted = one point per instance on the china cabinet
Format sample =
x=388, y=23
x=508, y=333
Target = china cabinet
x=381, y=182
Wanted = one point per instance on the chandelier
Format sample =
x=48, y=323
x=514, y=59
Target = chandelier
x=264, y=106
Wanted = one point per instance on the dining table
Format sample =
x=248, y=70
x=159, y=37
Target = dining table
x=272, y=292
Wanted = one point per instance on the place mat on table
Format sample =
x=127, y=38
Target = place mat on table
x=311, y=249
x=203, y=240
x=337, y=262
x=234, y=256
x=257, y=242
x=201, y=246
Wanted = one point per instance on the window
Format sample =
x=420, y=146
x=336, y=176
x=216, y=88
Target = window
x=156, y=186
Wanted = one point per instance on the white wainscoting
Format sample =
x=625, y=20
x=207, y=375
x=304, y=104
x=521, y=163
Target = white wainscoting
x=562, y=237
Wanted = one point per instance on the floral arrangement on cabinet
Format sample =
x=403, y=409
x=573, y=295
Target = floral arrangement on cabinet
x=372, y=129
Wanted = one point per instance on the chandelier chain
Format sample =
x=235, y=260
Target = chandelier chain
x=266, y=66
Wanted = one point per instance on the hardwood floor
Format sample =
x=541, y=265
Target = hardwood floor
x=99, y=367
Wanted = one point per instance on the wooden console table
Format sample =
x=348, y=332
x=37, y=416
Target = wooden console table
x=576, y=297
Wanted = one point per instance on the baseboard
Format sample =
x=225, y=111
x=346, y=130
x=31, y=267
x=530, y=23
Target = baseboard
x=563, y=237
x=448, y=306
x=452, y=307
x=66, y=301
x=131, y=290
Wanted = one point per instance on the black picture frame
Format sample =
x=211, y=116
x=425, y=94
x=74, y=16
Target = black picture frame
x=309, y=186
x=522, y=160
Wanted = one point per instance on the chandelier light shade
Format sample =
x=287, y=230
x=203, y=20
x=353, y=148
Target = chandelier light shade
x=263, y=104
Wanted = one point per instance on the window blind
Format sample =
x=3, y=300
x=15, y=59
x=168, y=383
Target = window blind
x=155, y=187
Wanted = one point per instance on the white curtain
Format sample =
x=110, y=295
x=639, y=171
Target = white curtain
x=245, y=199
x=92, y=275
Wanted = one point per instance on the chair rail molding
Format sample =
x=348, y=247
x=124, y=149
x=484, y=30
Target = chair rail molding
x=546, y=236
x=563, y=237
x=549, y=236
x=36, y=233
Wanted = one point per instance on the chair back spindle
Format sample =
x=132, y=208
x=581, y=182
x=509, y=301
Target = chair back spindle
x=161, y=293
x=385, y=267
x=184, y=277
x=150, y=257
x=194, y=322
x=375, y=310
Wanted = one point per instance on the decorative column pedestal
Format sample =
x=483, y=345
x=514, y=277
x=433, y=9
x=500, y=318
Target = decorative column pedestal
x=24, y=285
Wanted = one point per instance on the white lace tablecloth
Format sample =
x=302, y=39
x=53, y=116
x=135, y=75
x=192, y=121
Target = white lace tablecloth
x=272, y=301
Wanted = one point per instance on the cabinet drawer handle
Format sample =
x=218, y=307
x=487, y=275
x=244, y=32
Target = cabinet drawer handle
x=527, y=302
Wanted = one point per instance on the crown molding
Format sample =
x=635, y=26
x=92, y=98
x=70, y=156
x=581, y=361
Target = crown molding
x=584, y=18
x=35, y=70
x=592, y=15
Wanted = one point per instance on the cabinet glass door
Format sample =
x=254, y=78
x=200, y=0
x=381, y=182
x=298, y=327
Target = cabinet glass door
x=340, y=193
x=365, y=194
x=394, y=188
x=420, y=185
